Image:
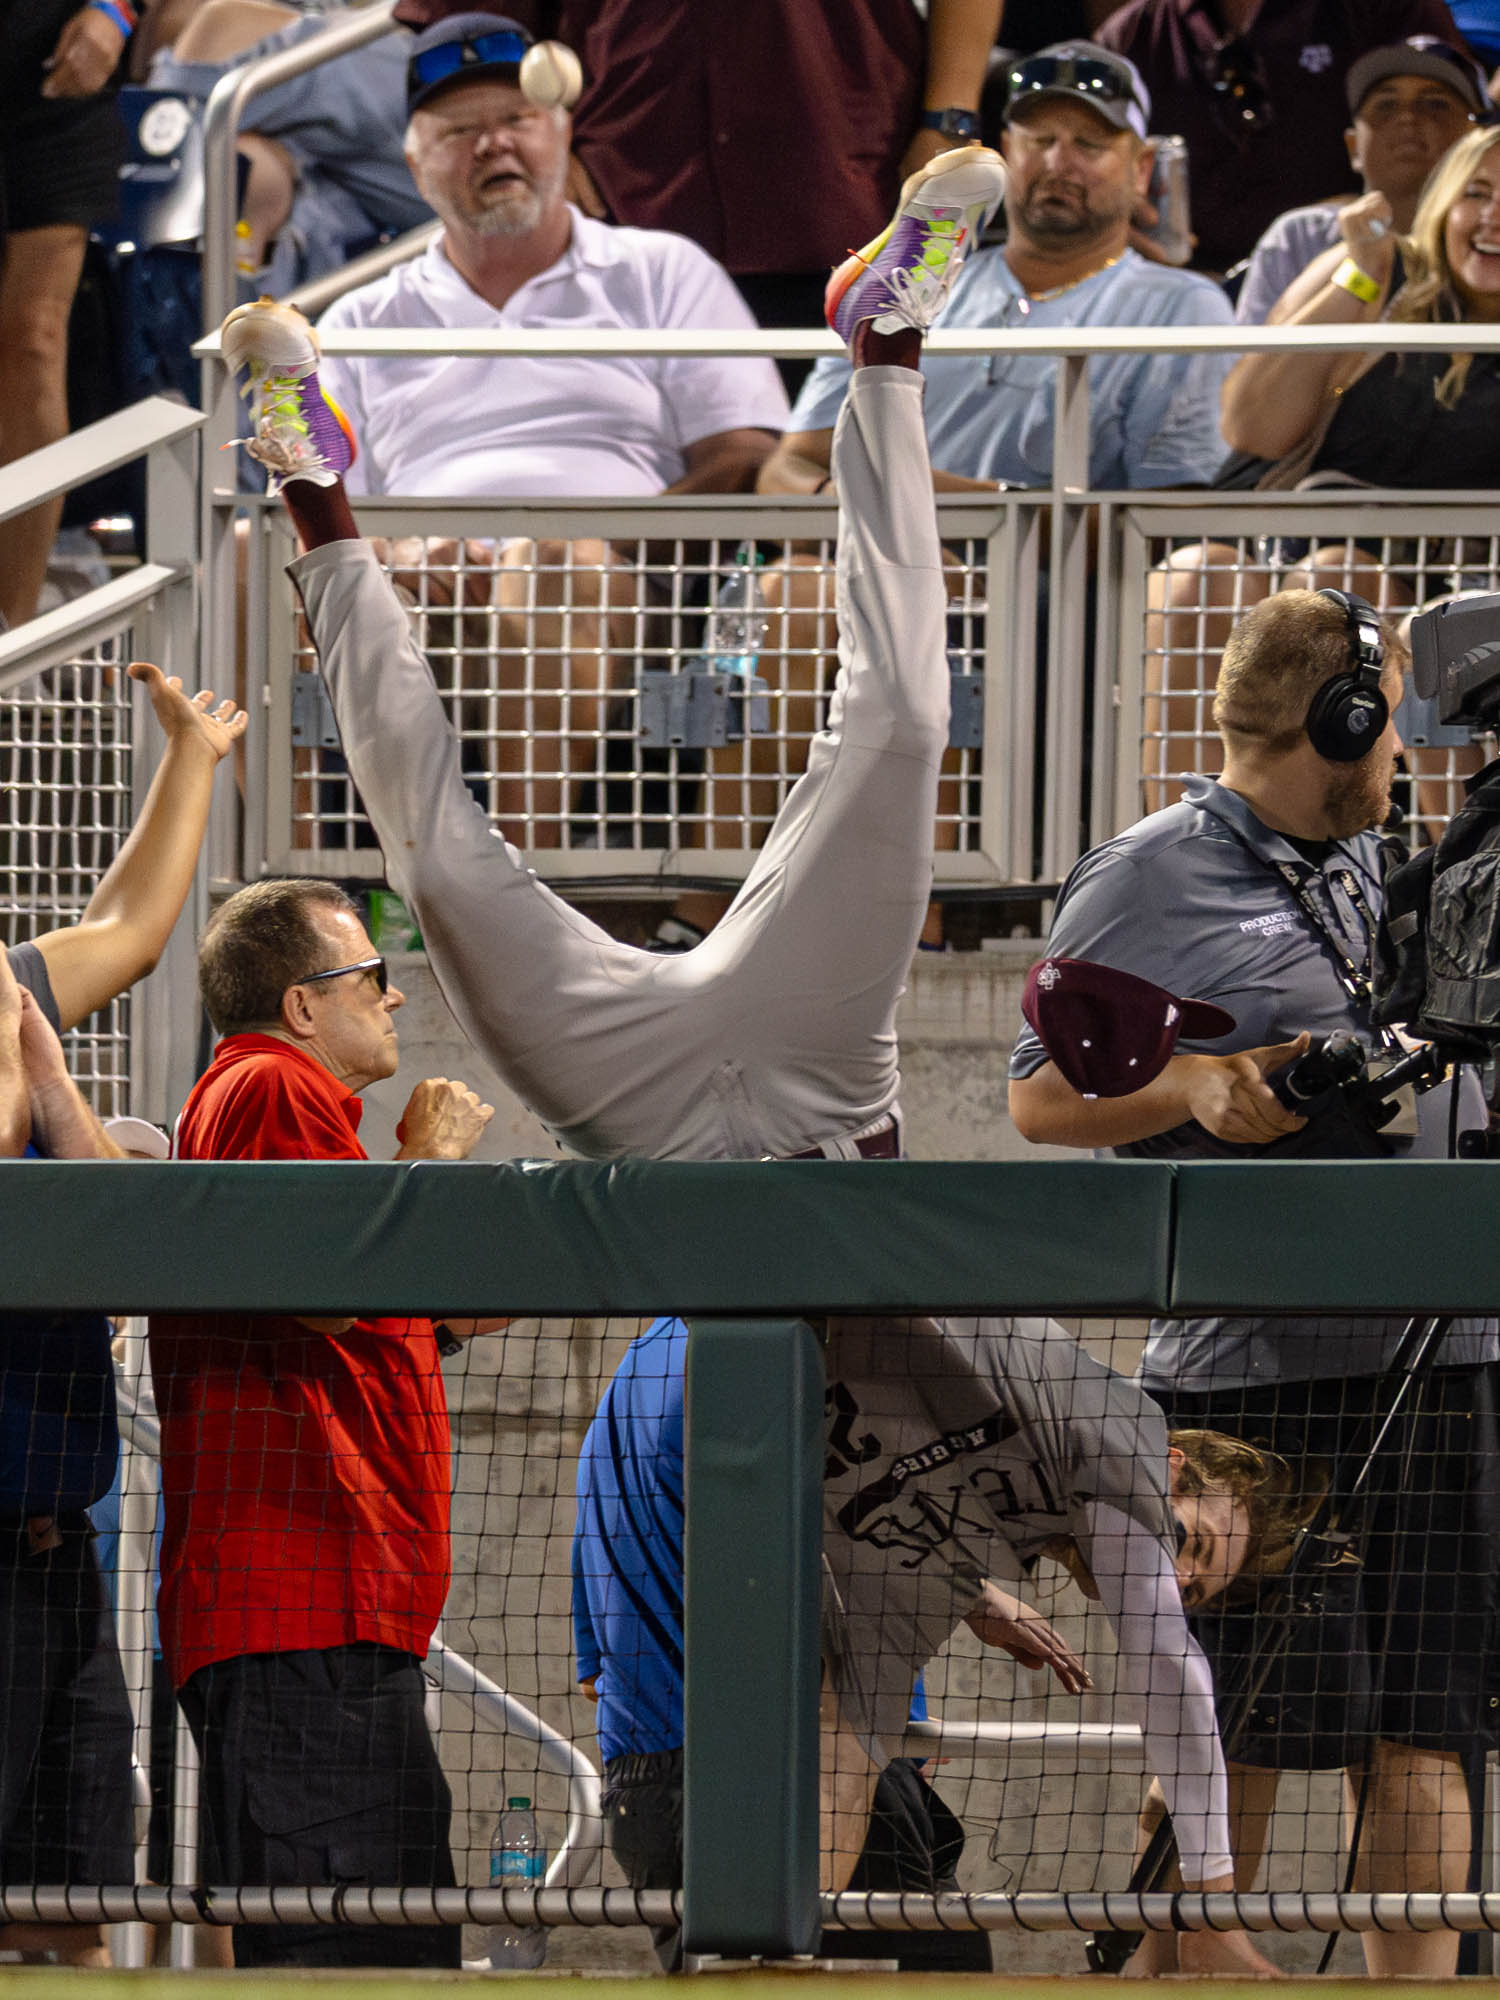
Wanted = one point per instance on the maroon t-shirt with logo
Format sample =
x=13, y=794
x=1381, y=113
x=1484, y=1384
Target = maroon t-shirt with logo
x=1244, y=172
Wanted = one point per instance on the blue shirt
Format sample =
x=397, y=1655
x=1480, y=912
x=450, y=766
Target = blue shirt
x=1478, y=21
x=1153, y=418
x=627, y=1548
x=1190, y=899
x=58, y=1441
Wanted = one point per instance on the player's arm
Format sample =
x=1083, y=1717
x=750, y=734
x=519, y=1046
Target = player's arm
x=1165, y=1674
x=129, y=917
x=1227, y=1095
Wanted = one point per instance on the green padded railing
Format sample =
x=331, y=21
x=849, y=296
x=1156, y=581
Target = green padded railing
x=773, y=1241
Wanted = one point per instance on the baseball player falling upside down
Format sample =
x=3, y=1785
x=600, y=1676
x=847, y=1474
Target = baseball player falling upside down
x=775, y=1035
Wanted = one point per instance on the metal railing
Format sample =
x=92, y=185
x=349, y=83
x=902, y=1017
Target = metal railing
x=77, y=754
x=587, y=800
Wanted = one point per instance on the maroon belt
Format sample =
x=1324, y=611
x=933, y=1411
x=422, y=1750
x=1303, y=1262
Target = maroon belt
x=882, y=1144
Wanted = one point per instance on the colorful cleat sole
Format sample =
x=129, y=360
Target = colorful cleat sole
x=904, y=276
x=298, y=431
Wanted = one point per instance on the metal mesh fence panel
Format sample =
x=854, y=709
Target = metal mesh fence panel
x=1197, y=588
x=65, y=810
x=605, y=702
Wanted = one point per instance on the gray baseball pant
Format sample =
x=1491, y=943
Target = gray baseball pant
x=777, y=1033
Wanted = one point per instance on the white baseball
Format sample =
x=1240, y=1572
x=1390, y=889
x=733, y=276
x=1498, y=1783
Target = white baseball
x=551, y=74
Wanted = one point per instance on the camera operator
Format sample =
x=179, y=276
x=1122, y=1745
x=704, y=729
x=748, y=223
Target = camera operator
x=1259, y=890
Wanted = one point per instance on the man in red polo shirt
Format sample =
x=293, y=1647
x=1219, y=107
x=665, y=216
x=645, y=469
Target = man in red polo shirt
x=305, y=1466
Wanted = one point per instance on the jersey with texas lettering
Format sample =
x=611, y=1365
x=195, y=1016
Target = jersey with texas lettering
x=969, y=1445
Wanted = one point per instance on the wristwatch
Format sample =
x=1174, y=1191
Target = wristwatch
x=952, y=123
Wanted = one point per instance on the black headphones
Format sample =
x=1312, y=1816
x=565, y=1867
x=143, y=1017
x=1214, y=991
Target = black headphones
x=1349, y=712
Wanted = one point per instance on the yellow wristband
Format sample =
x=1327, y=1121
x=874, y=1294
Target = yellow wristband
x=1350, y=278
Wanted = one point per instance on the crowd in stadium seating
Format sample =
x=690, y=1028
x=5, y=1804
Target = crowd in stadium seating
x=659, y=207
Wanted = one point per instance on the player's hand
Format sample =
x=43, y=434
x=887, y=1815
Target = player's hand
x=1229, y=1095
x=442, y=1121
x=589, y=1689
x=191, y=716
x=579, y=189
x=87, y=54
x=999, y=1619
x=1368, y=229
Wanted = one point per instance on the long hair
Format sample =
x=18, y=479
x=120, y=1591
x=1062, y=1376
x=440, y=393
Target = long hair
x=1279, y=1500
x=1430, y=292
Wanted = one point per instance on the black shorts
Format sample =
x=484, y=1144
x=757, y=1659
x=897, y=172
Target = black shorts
x=318, y=1769
x=1397, y=1645
x=65, y=1798
x=60, y=158
x=914, y=1843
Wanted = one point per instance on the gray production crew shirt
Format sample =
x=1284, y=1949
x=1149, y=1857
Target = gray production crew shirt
x=1190, y=898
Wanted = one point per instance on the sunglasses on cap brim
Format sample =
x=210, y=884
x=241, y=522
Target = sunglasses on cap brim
x=430, y=66
x=1080, y=74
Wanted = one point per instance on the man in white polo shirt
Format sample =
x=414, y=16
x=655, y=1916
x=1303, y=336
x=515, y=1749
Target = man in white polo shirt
x=514, y=253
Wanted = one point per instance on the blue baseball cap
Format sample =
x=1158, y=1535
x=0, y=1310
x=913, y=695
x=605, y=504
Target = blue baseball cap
x=462, y=49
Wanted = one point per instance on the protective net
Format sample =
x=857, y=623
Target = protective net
x=1008, y=1546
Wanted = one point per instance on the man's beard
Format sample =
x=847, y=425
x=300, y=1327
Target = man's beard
x=516, y=212
x=1358, y=797
x=1070, y=220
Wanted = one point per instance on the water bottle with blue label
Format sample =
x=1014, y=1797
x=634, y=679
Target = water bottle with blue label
x=518, y=1860
x=737, y=625
x=736, y=631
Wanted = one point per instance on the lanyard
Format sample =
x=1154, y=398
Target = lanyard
x=1354, y=974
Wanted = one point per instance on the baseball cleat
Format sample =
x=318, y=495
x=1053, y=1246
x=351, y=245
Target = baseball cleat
x=904, y=277
x=299, y=432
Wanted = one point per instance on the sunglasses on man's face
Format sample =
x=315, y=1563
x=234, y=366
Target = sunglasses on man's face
x=1083, y=74
x=378, y=966
x=431, y=66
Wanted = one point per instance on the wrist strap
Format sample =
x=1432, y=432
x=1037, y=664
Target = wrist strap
x=121, y=12
x=1348, y=277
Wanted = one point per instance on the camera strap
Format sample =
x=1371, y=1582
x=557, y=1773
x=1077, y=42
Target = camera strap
x=1354, y=973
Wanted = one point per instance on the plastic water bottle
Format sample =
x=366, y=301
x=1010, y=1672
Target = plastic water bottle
x=518, y=1860
x=738, y=624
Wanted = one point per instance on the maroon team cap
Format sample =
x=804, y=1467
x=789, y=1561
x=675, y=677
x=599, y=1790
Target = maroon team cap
x=1107, y=1031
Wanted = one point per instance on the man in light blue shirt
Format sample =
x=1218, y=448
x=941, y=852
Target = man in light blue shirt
x=1078, y=159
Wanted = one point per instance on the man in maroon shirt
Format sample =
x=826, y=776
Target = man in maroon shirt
x=1256, y=87
x=305, y=1466
x=718, y=120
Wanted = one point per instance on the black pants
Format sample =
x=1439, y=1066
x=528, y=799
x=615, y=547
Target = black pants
x=914, y=1843
x=65, y=1804
x=318, y=1770
x=1400, y=1643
